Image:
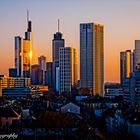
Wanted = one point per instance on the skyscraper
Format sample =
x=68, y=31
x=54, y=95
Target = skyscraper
x=92, y=57
x=23, y=52
x=18, y=59
x=126, y=65
x=49, y=81
x=42, y=65
x=68, y=68
x=56, y=44
x=36, y=75
x=137, y=54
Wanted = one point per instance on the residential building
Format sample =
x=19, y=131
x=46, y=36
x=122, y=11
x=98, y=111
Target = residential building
x=112, y=90
x=71, y=108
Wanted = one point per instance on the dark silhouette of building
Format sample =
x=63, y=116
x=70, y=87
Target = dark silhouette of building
x=36, y=75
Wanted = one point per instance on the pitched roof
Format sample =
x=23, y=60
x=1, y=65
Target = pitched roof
x=8, y=112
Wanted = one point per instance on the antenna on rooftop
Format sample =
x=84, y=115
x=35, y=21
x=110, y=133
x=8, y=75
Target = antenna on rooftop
x=58, y=25
x=27, y=15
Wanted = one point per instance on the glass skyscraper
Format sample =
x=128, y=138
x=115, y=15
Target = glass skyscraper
x=56, y=44
x=92, y=57
x=68, y=68
x=137, y=55
x=23, y=53
x=126, y=65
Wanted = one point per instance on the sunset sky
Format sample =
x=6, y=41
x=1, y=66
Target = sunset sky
x=121, y=19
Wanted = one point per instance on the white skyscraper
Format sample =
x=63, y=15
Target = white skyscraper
x=68, y=68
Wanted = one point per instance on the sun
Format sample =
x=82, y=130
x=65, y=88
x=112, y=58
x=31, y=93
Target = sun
x=30, y=54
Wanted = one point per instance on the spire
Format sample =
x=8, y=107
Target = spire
x=27, y=15
x=58, y=25
x=29, y=29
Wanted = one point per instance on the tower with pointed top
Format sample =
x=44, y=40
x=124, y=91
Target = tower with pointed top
x=57, y=42
x=23, y=51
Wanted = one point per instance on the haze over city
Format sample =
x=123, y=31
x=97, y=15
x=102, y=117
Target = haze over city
x=120, y=18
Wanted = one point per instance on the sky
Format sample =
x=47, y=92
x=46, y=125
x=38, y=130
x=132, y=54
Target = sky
x=121, y=19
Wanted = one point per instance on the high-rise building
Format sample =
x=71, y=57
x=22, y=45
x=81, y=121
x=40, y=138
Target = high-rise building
x=56, y=44
x=68, y=68
x=126, y=65
x=18, y=55
x=92, y=57
x=49, y=78
x=42, y=65
x=131, y=88
x=36, y=75
x=137, y=54
x=57, y=79
x=23, y=52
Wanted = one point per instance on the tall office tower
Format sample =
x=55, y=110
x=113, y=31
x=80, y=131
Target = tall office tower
x=36, y=75
x=126, y=65
x=27, y=49
x=57, y=79
x=18, y=55
x=68, y=68
x=56, y=44
x=42, y=65
x=92, y=57
x=131, y=89
x=23, y=52
x=137, y=55
x=49, y=78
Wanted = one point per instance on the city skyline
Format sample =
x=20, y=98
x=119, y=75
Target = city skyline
x=118, y=36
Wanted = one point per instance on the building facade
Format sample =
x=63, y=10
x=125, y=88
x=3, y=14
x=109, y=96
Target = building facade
x=49, y=73
x=68, y=68
x=92, y=57
x=36, y=75
x=23, y=53
x=56, y=44
x=18, y=49
x=137, y=54
x=14, y=82
x=126, y=65
x=42, y=65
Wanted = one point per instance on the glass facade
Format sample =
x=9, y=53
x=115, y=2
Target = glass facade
x=23, y=53
x=92, y=57
x=56, y=44
x=68, y=68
